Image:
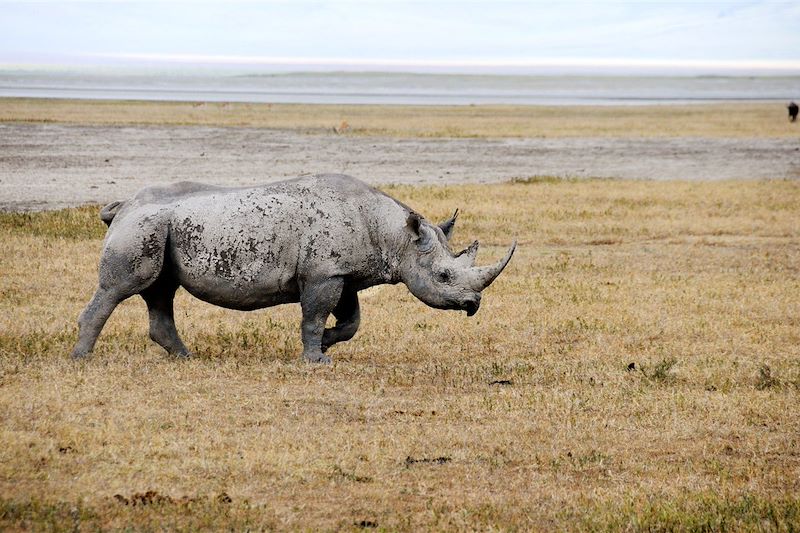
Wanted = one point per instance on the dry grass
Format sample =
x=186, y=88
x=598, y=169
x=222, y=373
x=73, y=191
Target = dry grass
x=523, y=417
x=724, y=120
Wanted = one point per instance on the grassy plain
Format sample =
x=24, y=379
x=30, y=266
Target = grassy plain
x=723, y=120
x=636, y=367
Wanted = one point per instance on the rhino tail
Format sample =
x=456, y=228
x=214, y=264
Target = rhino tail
x=108, y=213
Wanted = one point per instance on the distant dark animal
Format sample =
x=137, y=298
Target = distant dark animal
x=314, y=240
x=792, y=111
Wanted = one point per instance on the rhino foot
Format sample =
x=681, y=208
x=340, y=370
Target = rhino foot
x=79, y=356
x=317, y=358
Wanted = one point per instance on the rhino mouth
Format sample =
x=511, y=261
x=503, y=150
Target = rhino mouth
x=471, y=306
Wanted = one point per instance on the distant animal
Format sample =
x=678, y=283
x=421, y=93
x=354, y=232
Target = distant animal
x=314, y=240
x=792, y=111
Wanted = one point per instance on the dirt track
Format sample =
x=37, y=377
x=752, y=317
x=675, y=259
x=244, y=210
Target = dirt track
x=52, y=166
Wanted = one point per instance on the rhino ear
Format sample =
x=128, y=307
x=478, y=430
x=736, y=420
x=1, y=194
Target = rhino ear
x=413, y=223
x=448, y=225
x=419, y=235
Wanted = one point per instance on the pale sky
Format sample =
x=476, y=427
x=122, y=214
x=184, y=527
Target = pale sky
x=372, y=34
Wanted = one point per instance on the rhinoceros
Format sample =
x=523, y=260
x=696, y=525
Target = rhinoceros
x=315, y=240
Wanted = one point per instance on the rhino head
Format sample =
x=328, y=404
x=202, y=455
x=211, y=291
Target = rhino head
x=439, y=277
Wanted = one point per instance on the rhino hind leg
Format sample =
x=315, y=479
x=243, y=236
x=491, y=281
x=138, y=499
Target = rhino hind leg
x=132, y=261
x=317, y=301
x=92, y=320
x=348, y=317
x=159, y=298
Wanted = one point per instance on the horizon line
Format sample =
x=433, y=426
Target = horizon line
x=513, y=67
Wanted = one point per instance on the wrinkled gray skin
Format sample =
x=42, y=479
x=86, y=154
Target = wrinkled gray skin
x=316, y=240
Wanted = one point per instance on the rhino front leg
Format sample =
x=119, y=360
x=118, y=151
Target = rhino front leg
x=348, y=317
x=319, y=298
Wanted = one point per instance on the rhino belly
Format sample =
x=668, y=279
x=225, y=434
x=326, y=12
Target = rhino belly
x=223, y=294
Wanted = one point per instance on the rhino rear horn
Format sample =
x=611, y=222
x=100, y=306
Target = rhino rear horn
x=482, y=277
x=448, y=225
x=467, y=256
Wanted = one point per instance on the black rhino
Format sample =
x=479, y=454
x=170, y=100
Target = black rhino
x=313, y=240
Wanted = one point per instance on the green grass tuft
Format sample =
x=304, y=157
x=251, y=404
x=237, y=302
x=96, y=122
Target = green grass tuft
x=82, y=223
x=702, y=512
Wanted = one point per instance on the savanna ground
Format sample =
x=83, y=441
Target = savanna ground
x=635, y=367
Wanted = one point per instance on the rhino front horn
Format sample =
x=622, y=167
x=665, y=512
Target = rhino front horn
x=484, y=276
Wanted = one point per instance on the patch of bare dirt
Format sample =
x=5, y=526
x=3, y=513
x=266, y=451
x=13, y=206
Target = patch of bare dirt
x=53, y=166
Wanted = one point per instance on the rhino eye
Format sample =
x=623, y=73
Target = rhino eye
x=443, y=276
